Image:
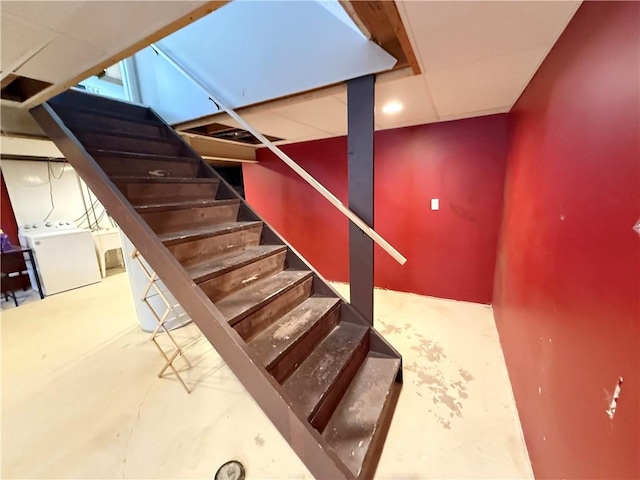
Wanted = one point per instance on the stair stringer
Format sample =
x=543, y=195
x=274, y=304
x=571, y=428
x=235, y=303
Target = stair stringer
x=317, y=455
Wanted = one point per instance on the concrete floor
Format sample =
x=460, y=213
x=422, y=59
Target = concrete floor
x=80, y=396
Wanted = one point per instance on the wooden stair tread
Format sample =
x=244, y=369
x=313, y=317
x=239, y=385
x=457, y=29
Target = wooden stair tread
x=196, y=234
x=313, y=379
x=358, y=415
x=168, y=206
x=77, y=98
x=241, y=303
x=101, y=152
x=227, y=262
x=154, y=179
x=279, y=337
x=120, y=134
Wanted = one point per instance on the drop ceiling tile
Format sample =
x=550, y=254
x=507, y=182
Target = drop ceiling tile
x=61, y=59
x=454, y=33
x=327, y=114
x=483, y=85
x=413, y=94
x=19, y=41
x=341, y=97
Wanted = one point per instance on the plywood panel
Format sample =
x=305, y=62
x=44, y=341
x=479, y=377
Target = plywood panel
x=63, y=55
x=122, y=22
x=19, y=40
x=46, y=14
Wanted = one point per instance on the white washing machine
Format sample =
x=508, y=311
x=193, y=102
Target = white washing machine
x=65, y=255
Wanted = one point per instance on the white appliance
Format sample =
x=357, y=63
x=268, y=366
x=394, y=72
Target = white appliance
x=65, y=255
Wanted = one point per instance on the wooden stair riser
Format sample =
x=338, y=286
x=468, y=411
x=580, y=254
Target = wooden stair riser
x=284, y=365
x=371, y=458
x=130, y=166
x=177, y=220
x=253, y=323
x=113, y=142
x=229, y=282
x=150, y=193
x=357, y=429
x=321, y=415
x=194, y=252
x=97, y=103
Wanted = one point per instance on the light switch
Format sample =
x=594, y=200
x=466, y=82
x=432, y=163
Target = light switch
x=435, y=204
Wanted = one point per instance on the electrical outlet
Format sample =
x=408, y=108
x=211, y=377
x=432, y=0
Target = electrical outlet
x=435, y=204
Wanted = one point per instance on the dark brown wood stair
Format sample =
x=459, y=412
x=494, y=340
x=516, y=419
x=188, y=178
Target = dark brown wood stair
x=318, y=384
x=352, y=427
x=283, y=345
x=323, y=375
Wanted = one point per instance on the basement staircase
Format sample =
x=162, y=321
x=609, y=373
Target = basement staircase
x=326, y=379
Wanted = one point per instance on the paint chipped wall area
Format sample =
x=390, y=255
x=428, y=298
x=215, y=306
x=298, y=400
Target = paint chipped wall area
x=567, y=299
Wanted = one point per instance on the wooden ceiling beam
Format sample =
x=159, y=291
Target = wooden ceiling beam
x=401, y=34
x=383, y=25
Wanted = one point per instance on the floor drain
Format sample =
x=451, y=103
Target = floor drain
x=232, y=470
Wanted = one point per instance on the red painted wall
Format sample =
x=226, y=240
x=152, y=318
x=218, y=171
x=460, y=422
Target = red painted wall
x=7, y=218
x=567, y=290
x=10, y=227
x=450, y=252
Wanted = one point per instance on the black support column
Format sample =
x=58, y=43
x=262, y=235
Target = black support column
x=360, y=107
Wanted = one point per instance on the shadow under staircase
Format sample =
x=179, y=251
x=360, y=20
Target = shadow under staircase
x=326, y=379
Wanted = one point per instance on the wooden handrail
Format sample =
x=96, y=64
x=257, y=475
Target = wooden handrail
x=215, y=98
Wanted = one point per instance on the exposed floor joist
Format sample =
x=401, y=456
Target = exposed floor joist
x=381, y=22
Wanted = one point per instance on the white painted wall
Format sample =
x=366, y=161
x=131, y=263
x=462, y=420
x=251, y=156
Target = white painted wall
x=31, y=185
x=37, y=188
x=169, y=93
x=248, y=52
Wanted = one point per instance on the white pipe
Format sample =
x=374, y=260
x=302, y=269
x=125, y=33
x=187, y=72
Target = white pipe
x=386, y=246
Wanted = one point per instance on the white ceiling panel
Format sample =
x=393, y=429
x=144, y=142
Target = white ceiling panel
x=413, y=94
x=19, y=41
x=479, y=56
x=492, y=83
x=454, y=33
x=63, y=55
x=328, y=114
